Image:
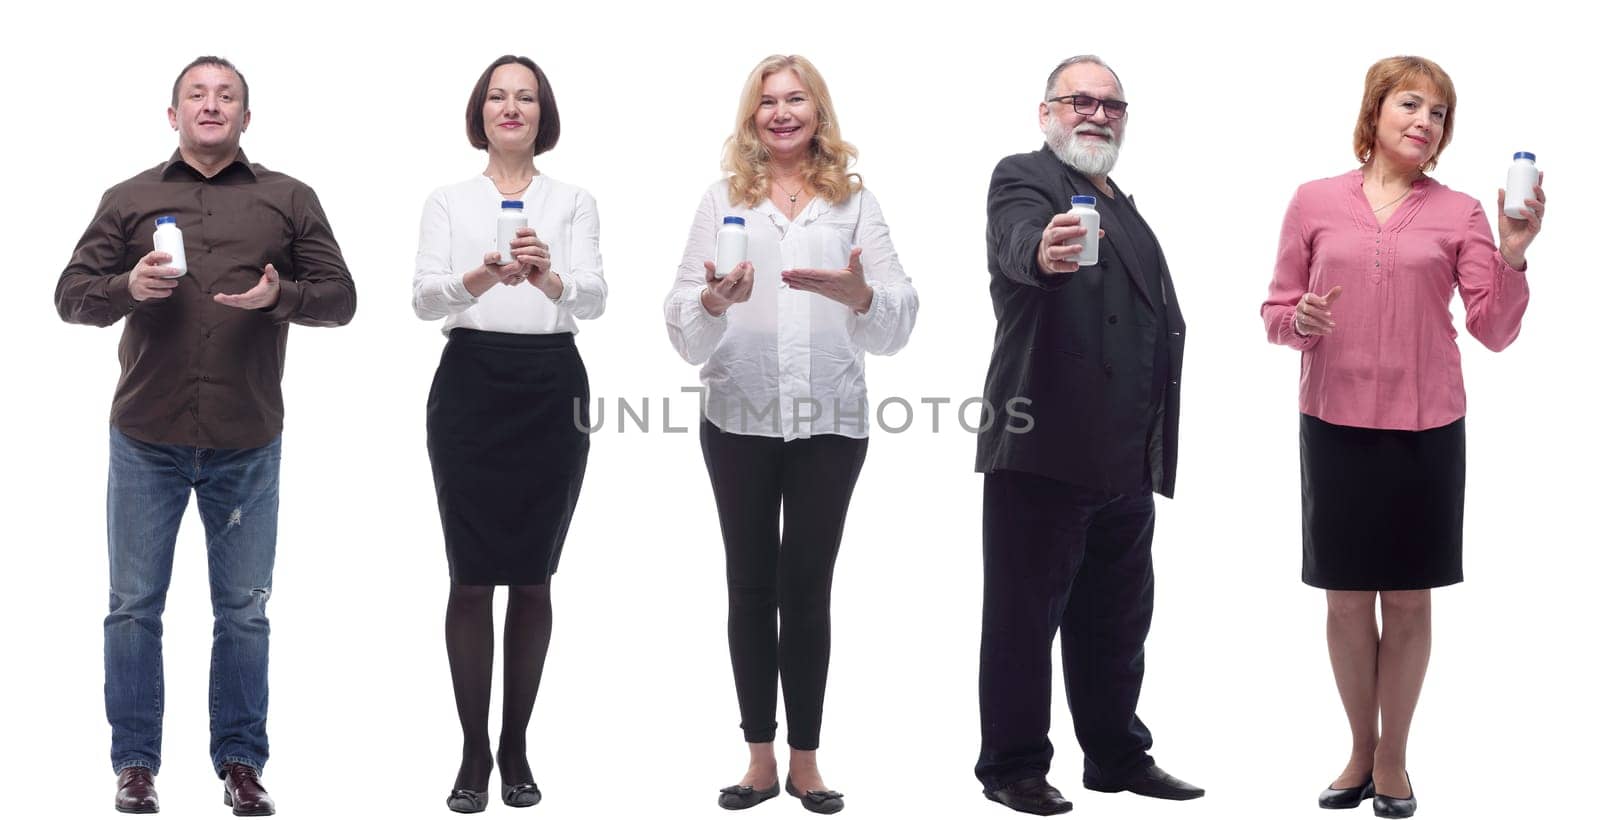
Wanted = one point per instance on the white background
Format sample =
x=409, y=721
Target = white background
x=1232, y=107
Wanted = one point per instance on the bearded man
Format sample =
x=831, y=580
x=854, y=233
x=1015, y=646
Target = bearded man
x=1091, y=356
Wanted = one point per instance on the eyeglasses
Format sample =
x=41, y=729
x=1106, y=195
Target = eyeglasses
x=1086, y=105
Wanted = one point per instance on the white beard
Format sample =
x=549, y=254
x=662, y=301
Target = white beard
x=1092, y=159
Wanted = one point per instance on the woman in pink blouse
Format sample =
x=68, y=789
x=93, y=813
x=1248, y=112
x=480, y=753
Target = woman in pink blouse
x=1366, y=265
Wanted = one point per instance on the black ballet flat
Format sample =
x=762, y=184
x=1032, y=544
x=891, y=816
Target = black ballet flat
x=520, y=795
x=1385, y=806
x=735, y=798
x=819, y=801
x=467, y=801
x=1350, y=798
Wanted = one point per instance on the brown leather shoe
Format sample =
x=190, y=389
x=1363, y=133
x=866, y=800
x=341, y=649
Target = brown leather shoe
x=242, y=789
x=136, y=791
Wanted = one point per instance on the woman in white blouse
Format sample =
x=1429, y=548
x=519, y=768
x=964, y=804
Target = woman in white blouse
x=504, y=411
x=782, y=338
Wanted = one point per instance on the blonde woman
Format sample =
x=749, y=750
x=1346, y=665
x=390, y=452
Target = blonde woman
x=782, y=339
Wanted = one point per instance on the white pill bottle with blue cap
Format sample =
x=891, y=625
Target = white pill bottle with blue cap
x=169, y=240
x=505, y=229
x=1089, y=218
x=733, y=243
x=1519, y=184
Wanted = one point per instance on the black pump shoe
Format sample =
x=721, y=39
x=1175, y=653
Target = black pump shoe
x=1386, y=806
x=1350, y=798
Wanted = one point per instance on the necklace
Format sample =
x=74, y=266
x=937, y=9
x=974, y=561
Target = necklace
x=513, y=192
x=1392, y=202
x=792, y=197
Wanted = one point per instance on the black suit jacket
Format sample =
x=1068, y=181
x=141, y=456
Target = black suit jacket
x=1074, y=351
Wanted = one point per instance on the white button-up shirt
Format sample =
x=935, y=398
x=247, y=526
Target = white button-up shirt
x=458, y=228
x=789, y=363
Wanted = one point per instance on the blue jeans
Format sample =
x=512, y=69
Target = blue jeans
x=146, y=495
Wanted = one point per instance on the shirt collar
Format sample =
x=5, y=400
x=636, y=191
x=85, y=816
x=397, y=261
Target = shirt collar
x=177, y=168
x=1357, y=176
x=814, y=210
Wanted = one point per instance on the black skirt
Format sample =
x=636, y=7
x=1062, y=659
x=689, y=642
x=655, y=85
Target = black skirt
x=508, y=416
x=1381, y=509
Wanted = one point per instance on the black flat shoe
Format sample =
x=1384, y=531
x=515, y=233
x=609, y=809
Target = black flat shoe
x=1152, y=782
x=467, y=801
x=1350, y=798
x=521, y=795
x=1030, y=795
x=819, y=801
x=1386, y=806
x=735, y=798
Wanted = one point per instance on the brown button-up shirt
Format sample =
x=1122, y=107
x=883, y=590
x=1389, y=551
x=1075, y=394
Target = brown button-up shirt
x=195, y=372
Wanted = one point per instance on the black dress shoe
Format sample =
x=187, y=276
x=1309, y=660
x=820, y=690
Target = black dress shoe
x=1350, y=798
x=467, y=801
x=821, y=801
x=1152, y=782
x=1386, y=806
x=1031, y=795
x=136, y=791
x=520, y=795
x=743, y=797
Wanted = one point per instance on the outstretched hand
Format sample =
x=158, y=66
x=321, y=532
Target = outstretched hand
x=847, y=286
x=1061, y=243
x=263, y=295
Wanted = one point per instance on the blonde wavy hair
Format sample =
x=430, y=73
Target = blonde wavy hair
x=744, y=158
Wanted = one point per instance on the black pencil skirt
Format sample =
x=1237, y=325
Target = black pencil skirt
x=508, y=416
x=1381, y=509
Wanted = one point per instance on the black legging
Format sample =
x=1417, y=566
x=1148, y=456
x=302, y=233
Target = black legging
x=787, y=575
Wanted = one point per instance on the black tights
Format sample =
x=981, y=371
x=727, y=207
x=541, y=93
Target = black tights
x=469, y=641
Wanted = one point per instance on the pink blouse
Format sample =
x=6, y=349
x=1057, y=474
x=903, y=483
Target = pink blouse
x=1391, y=361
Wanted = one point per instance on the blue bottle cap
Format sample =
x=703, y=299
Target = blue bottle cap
x=733, y=220
x=166, y=220
x=1083, y=200
x=511, y=203
x=1523, y=154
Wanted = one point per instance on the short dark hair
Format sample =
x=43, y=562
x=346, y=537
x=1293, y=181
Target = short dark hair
x=549, y=117
x=220, y=62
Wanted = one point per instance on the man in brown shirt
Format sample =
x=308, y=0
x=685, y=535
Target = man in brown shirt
x=199, y=408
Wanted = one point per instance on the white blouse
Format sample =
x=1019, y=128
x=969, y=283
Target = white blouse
x=458, y=228
x=789, y=363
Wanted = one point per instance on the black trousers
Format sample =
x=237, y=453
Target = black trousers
x=782, y=574
x=1060, y=558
